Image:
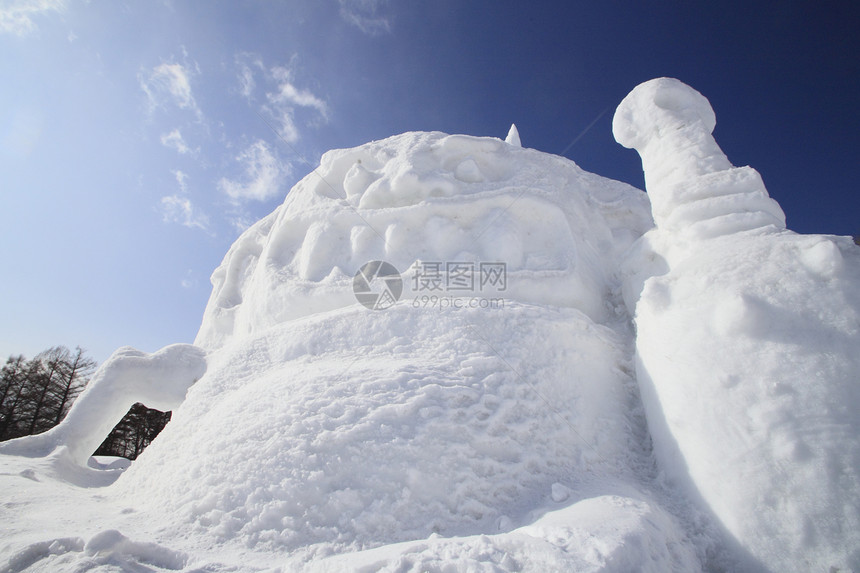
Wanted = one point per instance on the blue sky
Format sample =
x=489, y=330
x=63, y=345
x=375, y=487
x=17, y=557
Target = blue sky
x=137, y=139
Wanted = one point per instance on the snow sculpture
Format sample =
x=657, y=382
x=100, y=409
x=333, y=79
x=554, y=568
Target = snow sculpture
x=746, y=345
x=322, y=427
x=159, y=380
x=439, y=434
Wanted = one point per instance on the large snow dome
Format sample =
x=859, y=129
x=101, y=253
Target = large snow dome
x=427, y=197
x=676, y=393
x=323, y=426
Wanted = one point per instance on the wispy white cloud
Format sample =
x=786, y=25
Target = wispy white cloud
x=283, y=99
x=366, y=15
x=182, y=179
x=178, y=208
x=175, y=141
x=189, y=281
x=241, y=220
x=169, y=83
x=287, y=93
x=16, y=16
x=247, y=83
x=264, y=174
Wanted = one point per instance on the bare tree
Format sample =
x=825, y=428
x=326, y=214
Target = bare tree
x=134, y=433
x=72, y=381
x=43, y=382
x=35, y=396
x=14, y=383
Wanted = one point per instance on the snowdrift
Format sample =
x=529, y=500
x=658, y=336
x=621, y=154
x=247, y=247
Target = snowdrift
x=574, y=378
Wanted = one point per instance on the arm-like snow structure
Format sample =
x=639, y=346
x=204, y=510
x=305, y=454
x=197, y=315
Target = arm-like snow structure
x=694, y=190
x=158, y=380
x=747, y=346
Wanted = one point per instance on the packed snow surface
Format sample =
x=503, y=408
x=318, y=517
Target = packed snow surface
x=675, y=393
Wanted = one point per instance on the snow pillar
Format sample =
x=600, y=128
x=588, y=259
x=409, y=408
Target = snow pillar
x=694, y=190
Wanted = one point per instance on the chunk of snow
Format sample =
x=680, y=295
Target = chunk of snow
x=513, y=136
x=457, y=438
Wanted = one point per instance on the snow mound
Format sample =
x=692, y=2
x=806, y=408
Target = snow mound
x=322, y=427
x=106, y=551
x=749, y=373
x=393, y=426
x=601, y=534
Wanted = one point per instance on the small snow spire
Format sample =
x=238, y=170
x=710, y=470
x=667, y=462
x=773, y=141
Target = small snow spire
x=513, y=136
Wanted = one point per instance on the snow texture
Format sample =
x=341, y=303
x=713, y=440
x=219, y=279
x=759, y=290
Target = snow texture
x=426, y=197
x=318, y=435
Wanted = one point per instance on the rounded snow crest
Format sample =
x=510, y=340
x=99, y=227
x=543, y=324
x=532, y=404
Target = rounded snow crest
x=653, y=106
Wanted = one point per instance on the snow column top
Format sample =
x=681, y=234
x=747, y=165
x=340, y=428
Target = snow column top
x=694, y=189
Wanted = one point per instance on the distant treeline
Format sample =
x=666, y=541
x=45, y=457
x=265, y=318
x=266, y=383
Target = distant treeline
x=36, y=394
x=134, y=432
